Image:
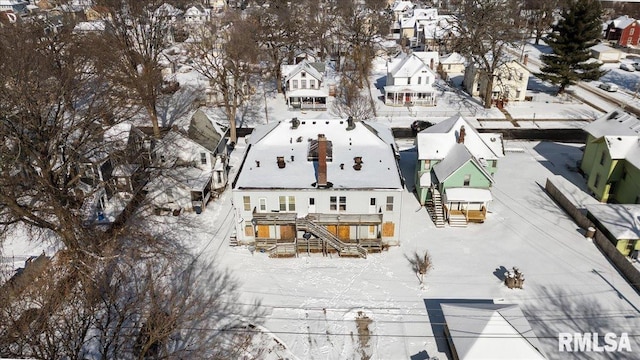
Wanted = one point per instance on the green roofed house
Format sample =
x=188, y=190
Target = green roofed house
x=611, y=159
x=455, y=171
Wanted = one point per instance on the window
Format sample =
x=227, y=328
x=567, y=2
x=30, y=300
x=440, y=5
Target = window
x=203, y=158
x=303, y=74
x=283, y=203
x=419, y=80
x=427, y=164
x=312, y=84
x=372, y=202
x=263, y=204
x=631, y=31
x=389, y=203
x=343, y=203
x=449, y=67
x=521, y=77
x=303, y=84
x=518, y=93
x=312, y=201
x=408, y=81
x=602, y=158
x=596, y=182
x=638, y=199
x=294, y=84
x=246, y=200
x=333, y=203
x=248, y=228
x=478, y=87
x=624, y=173
x=292, y=203
x=467, y=180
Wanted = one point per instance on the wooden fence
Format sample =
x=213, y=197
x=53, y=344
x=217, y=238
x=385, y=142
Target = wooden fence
x=604, y=244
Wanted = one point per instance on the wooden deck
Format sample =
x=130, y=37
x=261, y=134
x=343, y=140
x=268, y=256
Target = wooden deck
x=472, y=215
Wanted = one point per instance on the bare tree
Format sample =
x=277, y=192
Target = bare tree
x=421, y=265
x=539, y=16
x=485, y=29
x=225, y=53
x=351, y=102
x=131, y=47
x=279, y=33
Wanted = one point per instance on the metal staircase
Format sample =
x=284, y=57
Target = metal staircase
x=434, y=207
x=322, y=233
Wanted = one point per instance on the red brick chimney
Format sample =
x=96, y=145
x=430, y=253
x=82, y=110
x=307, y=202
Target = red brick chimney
x=322, y=160
x=461, y=135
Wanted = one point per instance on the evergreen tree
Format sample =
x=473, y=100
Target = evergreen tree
x=573, y=35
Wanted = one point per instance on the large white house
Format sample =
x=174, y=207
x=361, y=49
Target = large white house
x=319, y=185
x=509, y=81
x=410, y=79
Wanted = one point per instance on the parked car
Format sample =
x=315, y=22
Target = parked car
x=627, y=67
x=636, y=66
x=607, y=86
x=420, y=125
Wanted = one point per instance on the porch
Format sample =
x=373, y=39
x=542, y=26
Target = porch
x=468, y=204
x=307, y=103
x=420, y=96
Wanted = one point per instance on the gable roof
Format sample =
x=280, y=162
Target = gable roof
x=621, y=133
x=491, y=331
x=379, y=170
x=436, y=141
x=313, y=69
x=410, y=65
x=176, y=146
x=455, y=159
x=622, y=22
x=453, y=58
x=205, y=131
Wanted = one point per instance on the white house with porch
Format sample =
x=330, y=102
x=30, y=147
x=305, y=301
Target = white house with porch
x=304, y=85
x=410, y=80
x=186, y=171
x=330, y=186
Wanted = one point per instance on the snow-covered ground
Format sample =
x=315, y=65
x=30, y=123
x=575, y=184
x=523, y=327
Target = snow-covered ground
x=311, y=301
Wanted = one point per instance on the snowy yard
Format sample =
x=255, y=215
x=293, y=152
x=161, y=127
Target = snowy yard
x=312, y=301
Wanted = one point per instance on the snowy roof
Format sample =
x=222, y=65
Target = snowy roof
x=425, y=14
x=621, y=133
x=175, y=145
x=601, y=48
x=117, y=136
x=167, y=10
x=313, y=69
x=622, y=21
x=403, y=5
x=407, y=22
x=190, y=178
x=321, y=92
x=436, y=141
x=491, y=331
x=88, y=26
x=457, y=156
x=268, y=142
x=453, y=58
x=205, y=131
x=466, y=194
x=621, y=220
x=404, y=67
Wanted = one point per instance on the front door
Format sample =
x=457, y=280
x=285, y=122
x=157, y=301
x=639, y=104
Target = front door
x=312, y=205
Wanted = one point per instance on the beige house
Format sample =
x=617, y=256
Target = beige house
x=509, y=81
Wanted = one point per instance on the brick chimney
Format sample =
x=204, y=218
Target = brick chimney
x=322, y=160
x=461, y=135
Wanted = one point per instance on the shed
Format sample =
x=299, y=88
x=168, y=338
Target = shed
x=606, y=53
x=620, y=223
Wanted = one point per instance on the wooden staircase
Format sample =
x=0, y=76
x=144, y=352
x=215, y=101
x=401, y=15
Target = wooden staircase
x=342, y=248
x=435, y=209
x=457, y=220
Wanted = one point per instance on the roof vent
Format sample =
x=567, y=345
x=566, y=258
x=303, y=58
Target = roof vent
x=299, y=139
x=295, y=123
x=281, y=163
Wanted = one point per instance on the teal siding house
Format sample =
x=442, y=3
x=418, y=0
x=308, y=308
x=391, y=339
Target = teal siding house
x=611, y=159
x=455, y=171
